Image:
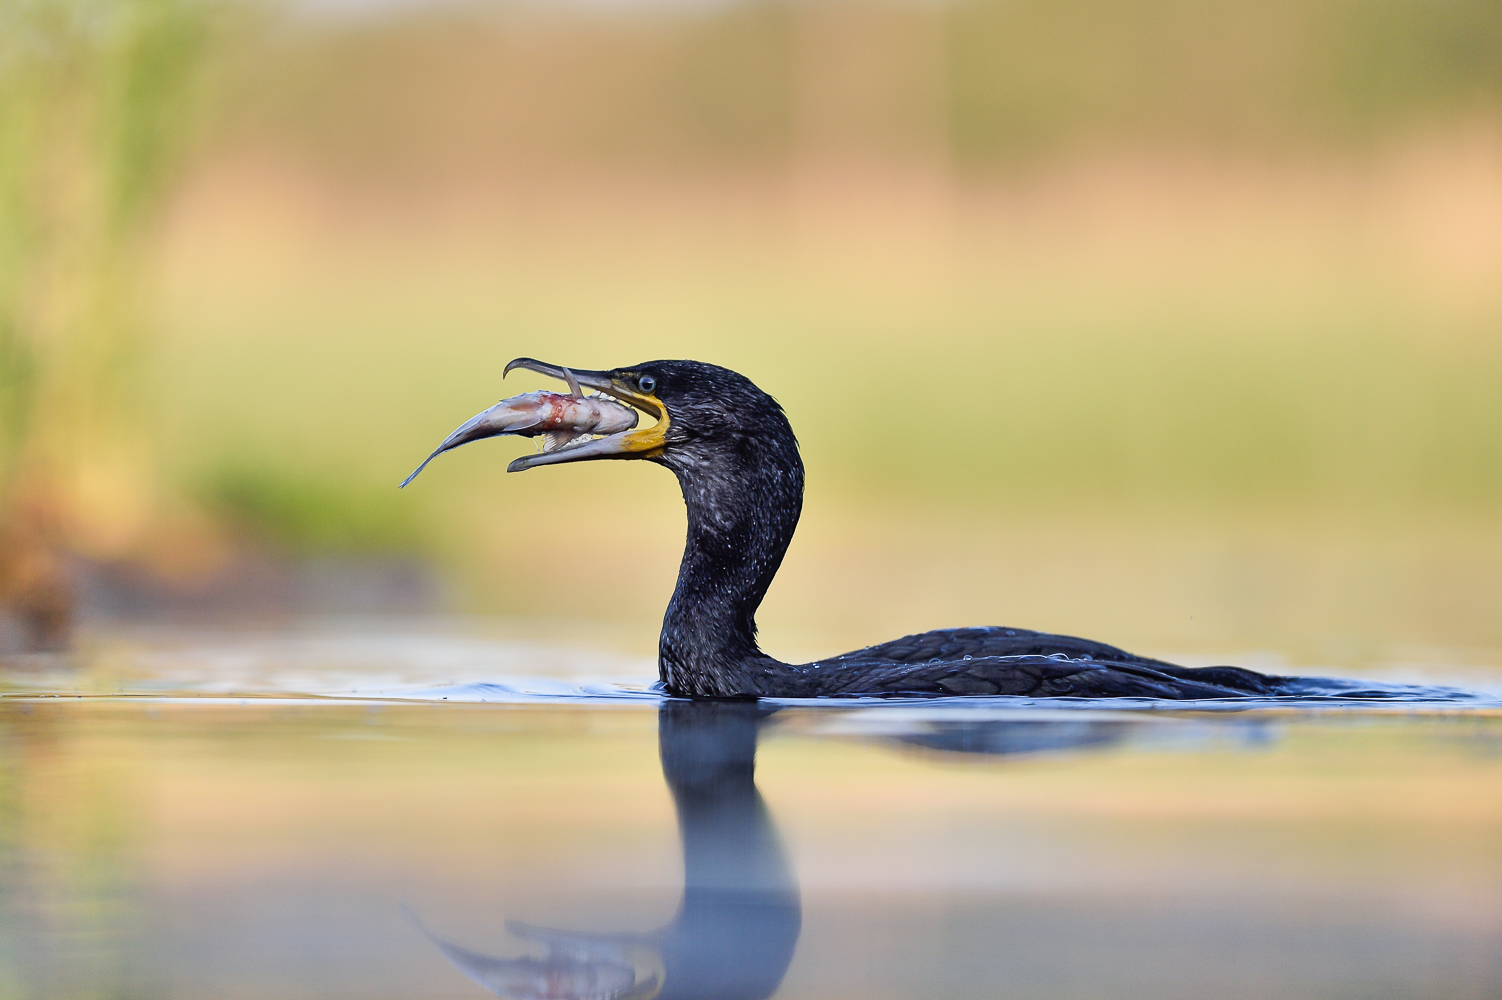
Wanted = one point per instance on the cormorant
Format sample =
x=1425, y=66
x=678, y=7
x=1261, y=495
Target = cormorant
x=737, y=462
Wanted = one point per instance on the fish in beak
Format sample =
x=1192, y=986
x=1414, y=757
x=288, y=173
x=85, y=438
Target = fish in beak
x=575, y=427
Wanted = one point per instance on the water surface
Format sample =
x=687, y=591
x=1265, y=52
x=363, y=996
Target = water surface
x=292, y=816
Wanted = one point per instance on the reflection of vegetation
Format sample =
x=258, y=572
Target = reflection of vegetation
x=96, y=104
x=67, y=866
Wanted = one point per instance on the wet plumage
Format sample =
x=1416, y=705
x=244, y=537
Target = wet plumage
x=737, y=462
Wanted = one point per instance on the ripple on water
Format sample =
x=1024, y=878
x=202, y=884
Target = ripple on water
x=359, y=661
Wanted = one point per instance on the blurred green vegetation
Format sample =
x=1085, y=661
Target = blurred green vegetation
x=751, y=84
x=1017, y=270
x=97, y=109
x=276, y=507
x=1032, y=73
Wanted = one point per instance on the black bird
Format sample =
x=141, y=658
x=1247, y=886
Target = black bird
x=736, y=459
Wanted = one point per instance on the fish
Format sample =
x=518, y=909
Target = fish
x=560, y=418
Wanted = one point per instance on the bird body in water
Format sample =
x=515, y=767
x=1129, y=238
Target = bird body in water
x=737, y=462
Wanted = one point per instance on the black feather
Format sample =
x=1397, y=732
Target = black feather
x=736, y=459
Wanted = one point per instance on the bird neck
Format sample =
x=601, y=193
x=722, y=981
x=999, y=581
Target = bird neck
x=743, y=501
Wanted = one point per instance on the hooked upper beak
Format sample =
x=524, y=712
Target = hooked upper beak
x=502, y=419
x=603, y=381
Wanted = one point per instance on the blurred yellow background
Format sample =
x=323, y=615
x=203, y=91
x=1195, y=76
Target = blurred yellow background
x=1176, y=325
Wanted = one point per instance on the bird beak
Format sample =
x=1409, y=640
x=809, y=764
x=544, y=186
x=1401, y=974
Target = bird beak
x=644, y=442
x=503, y=418
x=603, y=381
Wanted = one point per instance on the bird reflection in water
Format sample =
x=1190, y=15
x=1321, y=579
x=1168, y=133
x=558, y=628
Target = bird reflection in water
x=734, y=933
x=736, y=928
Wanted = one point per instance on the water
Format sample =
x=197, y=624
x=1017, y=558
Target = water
x=303, y=815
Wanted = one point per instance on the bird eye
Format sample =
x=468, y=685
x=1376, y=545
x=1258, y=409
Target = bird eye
x=646, y=383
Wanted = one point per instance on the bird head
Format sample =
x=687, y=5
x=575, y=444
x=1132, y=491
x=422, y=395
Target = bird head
x=697, y=407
